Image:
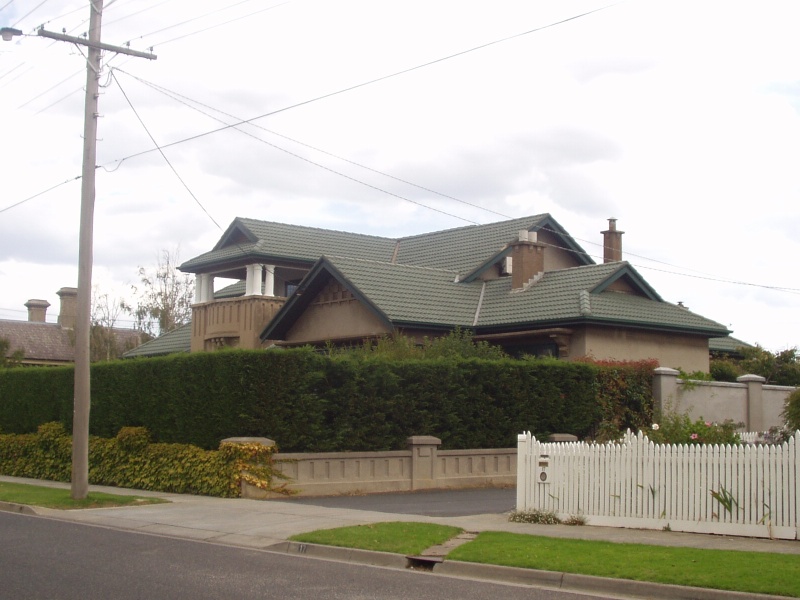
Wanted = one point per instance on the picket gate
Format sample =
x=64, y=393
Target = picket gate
x=748, y=490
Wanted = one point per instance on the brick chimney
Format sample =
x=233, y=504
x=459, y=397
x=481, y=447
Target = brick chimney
x=69, y=307
x=527, y=259
x=612, y=242
x=37, y=310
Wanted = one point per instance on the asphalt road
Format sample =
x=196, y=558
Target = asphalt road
x=42, y=558
x=435, y=503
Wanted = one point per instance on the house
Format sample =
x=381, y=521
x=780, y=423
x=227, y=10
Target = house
x=53, y=344
x=524, y=284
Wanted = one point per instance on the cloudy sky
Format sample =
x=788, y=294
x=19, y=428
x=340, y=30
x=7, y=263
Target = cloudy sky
x=680, y=119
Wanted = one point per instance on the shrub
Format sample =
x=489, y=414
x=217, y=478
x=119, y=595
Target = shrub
x=624, y=393
x=723, y=369
x=128, y=460
x=791, y=411
x=674, y=428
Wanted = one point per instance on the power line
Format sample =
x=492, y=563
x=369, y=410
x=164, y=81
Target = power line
x=2, y=210
x=334, y=171
x=378, y=79
x=186, y=102
x=171, y=166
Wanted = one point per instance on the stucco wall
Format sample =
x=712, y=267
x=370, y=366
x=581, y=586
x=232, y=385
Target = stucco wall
x=689, y=353
x=421, y=466
x=232, y=322
x=555, y=258
x=335, y=314
x=748, y=401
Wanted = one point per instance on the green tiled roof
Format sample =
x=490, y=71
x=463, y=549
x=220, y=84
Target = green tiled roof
x=461, y=249
x=410, y=294
x=464, y=248
x=406, y=294
x=579, y=295
x=177, y=340
x=293, y=243
x=728, y=345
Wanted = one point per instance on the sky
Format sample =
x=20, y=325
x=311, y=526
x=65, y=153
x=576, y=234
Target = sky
x=679, y=119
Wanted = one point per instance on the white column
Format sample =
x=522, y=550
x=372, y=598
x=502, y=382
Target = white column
x=203, y=288
x=253, y=282
x=269, y=280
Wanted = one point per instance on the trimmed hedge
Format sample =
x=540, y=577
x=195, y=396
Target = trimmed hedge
x=314, y=403
x=129, y=460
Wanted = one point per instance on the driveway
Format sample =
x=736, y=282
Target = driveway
x=431, y=503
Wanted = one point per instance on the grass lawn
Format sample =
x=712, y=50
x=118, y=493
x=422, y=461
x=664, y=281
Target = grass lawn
x=399, y=538
x=22, y=493
x=754, y=572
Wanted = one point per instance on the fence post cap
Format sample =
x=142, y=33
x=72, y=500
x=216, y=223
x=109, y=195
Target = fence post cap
x=666, y=371
x=423, y=440
x=562, y=437
x=249, y=440
x=749, y=378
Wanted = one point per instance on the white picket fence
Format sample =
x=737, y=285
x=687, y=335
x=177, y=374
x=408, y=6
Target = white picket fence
x=748, y=490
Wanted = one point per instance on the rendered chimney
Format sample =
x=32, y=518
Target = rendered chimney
x=37, y=310
x=527, y=259
x=69, y=307
x=612, y=242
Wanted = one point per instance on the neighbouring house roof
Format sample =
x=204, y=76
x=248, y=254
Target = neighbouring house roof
x=41, y=343
x=407, y=295
x=177, y=340
x=50, y=343
x=727, y=345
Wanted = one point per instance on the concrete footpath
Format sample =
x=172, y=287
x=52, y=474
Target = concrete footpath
x=267, y=525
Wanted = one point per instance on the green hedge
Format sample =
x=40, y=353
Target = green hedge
x=311, y=402
x=129, y=460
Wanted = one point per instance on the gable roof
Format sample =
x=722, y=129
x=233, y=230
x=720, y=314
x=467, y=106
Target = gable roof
x=466, y=249
x=250, y=240
x=407, y=295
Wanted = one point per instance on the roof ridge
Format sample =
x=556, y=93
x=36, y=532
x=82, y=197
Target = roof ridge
x=388, y=264
x=470, y=227
x=310, y=228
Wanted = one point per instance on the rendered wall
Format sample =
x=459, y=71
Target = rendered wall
x=748, y=401
x=421, y=466
x=232, y=322
x=689, y=353
x=335, y=314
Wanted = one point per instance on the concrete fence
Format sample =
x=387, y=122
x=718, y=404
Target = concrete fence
x=747, y=401
x=745, y=490
x=422, y=465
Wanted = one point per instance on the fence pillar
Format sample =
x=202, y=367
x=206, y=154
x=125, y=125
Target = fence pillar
x=755, y=401
x=424, y=450
x=665, y=389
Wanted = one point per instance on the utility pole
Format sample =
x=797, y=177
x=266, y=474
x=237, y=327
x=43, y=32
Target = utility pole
x=82, y=399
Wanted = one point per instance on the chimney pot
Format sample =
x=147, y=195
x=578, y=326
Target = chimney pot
x=68, y=314
x=37, y=310
x=612, y=242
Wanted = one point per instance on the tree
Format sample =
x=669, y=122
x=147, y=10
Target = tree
x=9, y=359
x=163, y=299
x=778, y=368
x=106, y=341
